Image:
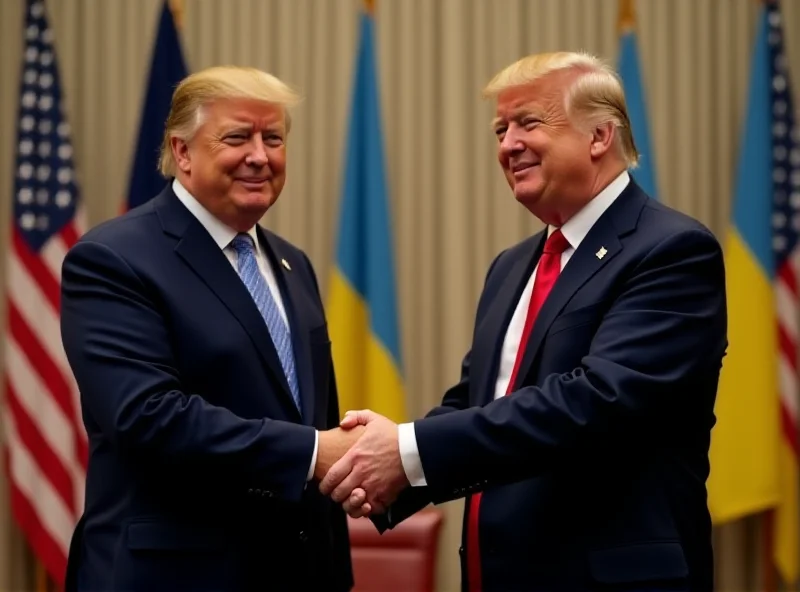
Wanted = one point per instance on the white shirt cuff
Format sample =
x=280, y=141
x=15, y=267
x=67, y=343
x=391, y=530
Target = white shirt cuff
x=409, y=455
x=313, y=457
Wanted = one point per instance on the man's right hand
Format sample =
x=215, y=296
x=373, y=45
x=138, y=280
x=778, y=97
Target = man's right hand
x=333, y=444
x=336, y=443
x=356, y=505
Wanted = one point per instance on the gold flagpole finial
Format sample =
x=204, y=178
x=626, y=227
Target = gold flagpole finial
x=177, y=8
x=369, y=5
x=627, y=16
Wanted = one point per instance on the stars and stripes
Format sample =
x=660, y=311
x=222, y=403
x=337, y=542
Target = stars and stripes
x=786, y=251
x=785, y=223
x=45, y=442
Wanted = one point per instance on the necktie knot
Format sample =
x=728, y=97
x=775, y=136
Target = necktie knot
x=243, y=243
x=556, y=243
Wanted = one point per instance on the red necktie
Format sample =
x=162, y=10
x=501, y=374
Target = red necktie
x=546, y=275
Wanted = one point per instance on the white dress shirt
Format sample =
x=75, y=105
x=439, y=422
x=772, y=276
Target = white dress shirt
x=574, y=230
x=223, y=235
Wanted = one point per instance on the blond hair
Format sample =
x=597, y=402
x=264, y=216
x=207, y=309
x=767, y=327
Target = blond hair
x=219, y=82
x=595, y=96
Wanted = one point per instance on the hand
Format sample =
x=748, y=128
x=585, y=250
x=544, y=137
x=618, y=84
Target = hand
x=357, y=505
x=333, y=444
x=373, y=464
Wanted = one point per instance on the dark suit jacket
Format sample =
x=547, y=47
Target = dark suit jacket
x=198, y=455
x=593, y=472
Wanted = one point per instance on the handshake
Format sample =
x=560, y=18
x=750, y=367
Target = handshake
x=359, y=465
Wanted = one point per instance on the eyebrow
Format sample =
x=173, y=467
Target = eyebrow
x=516, y=115
x=236, y=126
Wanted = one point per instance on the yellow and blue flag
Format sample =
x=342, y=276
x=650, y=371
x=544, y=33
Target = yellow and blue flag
x=630, y=72
x=167, y=69
x=362, y=308
x=754, y=443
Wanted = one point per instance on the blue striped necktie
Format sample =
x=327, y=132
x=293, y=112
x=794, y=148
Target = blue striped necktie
x=259, y=290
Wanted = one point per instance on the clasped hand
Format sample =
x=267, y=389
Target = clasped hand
x=359, y=463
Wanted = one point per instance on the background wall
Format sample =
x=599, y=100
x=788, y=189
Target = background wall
x=452, y=211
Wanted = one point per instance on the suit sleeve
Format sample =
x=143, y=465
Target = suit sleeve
x=666, y=328
x=118, y=346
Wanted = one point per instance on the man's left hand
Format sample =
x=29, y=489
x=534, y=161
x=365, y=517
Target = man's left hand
x=372, y=464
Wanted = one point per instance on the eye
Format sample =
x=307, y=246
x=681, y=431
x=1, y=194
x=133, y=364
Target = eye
x=273, y=139
x=500, y=132
x=236, y=138
x=530, y=122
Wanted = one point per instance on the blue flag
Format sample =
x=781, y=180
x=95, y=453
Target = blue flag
x=630, y=72
x=362, y=308
x=167, y=69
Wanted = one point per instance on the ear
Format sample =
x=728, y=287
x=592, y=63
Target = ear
x=602, y=139
x=180, y=151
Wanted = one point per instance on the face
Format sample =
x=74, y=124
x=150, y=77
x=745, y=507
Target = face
x=235, y=165
x=546, y=159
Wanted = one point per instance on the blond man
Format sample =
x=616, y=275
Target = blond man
x=579, y=430
x=199, y=344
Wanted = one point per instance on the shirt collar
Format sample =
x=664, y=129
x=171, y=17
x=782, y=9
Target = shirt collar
x=576, y=228
x=219, y=231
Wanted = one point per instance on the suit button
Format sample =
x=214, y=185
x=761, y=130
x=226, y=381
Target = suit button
x=302, y=536
x=250, y=491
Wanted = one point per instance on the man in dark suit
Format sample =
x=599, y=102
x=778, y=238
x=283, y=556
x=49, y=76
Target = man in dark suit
x=580, y=428
x=199, y=343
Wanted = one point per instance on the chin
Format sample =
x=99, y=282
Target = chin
x=526, y=198
x=254, y=199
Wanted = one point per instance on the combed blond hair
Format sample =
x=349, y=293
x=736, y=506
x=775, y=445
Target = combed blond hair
x=219, y=82
x=594, y=97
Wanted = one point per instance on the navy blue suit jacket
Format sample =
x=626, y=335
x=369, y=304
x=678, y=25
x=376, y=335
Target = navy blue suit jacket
x=593, y=471
x=198, y=454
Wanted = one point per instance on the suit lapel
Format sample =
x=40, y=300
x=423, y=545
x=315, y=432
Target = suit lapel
x=204, y=257
x=600, y=246
x=294, y=297
x=490, y=334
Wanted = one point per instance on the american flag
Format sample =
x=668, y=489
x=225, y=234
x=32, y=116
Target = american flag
x=46, y=447
x=785, y=242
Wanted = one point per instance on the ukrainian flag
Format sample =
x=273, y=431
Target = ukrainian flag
x=630, y=72
x=749, y=458
x=362, y=310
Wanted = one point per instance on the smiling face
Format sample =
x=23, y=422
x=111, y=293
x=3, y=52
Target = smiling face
x=235, y=164
x=547, y=159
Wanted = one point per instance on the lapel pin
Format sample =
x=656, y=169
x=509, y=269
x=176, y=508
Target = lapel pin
x=601, y=253
x=285, y=263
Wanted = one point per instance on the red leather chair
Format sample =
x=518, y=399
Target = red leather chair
x=402, y=559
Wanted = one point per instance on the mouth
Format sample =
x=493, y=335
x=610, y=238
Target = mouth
x=519, y=170
x=254, y=183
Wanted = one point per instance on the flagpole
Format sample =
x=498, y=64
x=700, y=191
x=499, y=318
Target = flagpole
x=42, y=581
x=178, y=8
x=768, y=522
x=768, y=526
x=626, y=19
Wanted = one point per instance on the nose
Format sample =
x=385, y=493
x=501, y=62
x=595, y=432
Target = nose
x=512, y=142
x=258, y=154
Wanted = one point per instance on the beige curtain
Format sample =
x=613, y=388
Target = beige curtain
x=452, y=212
